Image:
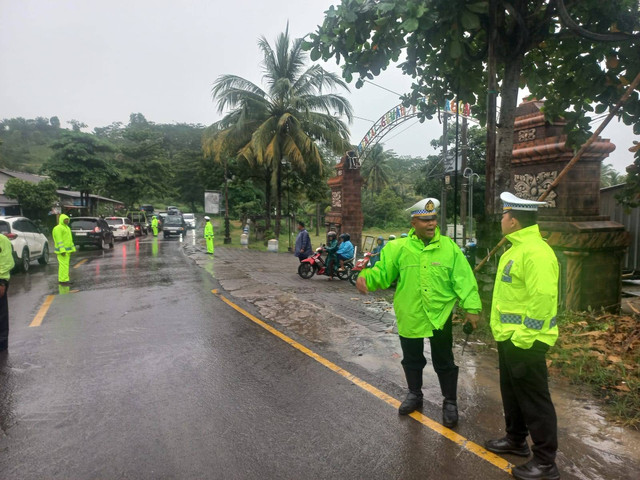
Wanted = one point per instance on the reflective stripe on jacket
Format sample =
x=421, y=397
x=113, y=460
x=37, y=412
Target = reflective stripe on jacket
x=430, y=278
x=6, y=257
x=62, y=237
x=208, y=230
x=525, y=293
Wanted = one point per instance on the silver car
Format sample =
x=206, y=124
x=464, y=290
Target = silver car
x=190, y=220
x=122, y=227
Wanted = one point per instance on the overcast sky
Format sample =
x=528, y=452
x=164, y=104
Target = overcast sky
x=99, y=61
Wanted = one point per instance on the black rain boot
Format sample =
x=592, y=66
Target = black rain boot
x=449, y=389
x=414, y=397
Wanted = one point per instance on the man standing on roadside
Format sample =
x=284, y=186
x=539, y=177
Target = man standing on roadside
x=523, y=322
x=432, y=275
x=208, y=235
x=303, y=243
x=6, y=264
x=63, y=247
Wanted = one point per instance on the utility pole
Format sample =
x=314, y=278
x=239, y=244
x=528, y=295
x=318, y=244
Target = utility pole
x=492, y=93
x=463, y=198
x=445, y=178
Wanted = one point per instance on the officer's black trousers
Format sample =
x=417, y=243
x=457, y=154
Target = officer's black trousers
x=4, y=320
x=414, y=361
x=526, y=398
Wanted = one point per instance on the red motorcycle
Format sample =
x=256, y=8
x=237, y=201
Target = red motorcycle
x=316, y=265
x=358, y=267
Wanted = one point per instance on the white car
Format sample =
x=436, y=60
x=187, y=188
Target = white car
x=27, y=240
x=190, y=220
x=122, y=227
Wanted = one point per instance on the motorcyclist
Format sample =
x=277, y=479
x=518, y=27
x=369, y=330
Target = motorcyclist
x=331, y=248
x=345, y=250
x=375, y=253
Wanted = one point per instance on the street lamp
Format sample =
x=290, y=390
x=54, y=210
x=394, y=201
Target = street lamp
x=285, y=163
x=469, y=174
x=227, y=234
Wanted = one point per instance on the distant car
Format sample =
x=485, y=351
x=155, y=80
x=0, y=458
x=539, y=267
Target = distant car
x=27, y=240
x=174, y=225
x=140, y=222
x=171, y=210
x=91, y=231
x=190, y=220
x=122, y=227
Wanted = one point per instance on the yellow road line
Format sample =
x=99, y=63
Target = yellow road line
x=84, y=260
x=37, y=320
x=468, y=445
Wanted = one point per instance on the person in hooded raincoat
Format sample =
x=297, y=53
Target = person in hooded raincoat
x=154, y=225
x=63, y=247
x=432, y=275
x=208, y=235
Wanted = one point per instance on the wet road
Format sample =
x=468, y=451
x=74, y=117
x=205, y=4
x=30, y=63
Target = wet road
x=140, y=371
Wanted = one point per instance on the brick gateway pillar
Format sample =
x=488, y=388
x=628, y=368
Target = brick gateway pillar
x=589, y=247
x=345, y=215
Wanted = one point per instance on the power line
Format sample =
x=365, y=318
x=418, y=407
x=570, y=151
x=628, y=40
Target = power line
x=383, y=88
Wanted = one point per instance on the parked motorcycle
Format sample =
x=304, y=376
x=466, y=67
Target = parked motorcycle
x=358, y=267
x=316, y=265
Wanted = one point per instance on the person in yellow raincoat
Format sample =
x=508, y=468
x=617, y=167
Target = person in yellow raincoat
x=208, y=235
x=154, y=225
x=63, y=247
x=523, y=323
x=6, y=264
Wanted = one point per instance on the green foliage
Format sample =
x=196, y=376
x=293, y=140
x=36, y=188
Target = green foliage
x=80, y=161
x=610, y=177
x=35, y=198
x=24, y=143
x=384, y=210
x=375, y=169
x=445, y=43
x=285, y=121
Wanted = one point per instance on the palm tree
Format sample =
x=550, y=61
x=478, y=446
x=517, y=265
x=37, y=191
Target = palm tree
x=610, y=177
x=375, y=170
x=284, y=121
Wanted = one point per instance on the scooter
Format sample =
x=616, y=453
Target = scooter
x=315, y=264
x=358, y=267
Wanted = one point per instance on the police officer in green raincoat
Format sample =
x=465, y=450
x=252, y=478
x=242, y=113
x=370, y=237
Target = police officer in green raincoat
x=432, y=275
x=523, y=323
x=63, y=246
x=208, y=235
x=6, y=264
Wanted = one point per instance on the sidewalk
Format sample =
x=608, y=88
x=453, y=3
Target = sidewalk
x=358, y=333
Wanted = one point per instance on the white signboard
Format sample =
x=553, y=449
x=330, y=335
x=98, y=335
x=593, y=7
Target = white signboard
x=212, y=202
x=450, y=163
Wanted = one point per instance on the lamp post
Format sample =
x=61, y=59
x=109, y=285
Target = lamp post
x=227, y=234
x=285, y=164
x=469, y=174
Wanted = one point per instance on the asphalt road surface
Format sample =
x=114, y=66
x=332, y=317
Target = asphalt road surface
x=139, y=371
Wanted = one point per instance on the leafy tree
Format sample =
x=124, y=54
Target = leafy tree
x=384, y=209
x=375, y=169
x=283, y=121
x=36, y=199
x=142, y=165
x=572, y=55
x=81, y=161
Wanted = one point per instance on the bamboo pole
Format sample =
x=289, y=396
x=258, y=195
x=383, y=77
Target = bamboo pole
x=572, y=162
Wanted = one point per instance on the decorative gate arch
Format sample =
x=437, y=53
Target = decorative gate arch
x=345, y=215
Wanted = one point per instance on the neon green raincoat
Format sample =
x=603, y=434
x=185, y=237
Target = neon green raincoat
x=430, y=279
x=525, y=294
x=62, y=238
